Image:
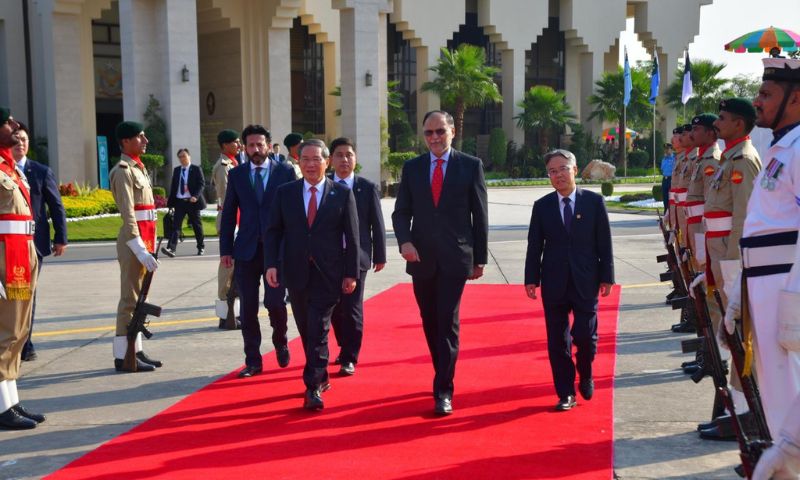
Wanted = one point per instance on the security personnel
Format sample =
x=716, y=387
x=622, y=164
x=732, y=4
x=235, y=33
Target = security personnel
x=723, y=218
x=292, y=143
x=680, y=181
x=130, y=186
x=230, y=146
x=19, y=267
x=770, y=306
x=680, y=155
x=704, y=137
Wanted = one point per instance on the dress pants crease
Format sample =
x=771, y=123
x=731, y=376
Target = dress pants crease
x=347, y=321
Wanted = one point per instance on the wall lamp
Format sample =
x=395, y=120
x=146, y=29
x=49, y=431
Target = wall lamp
x=184, y=74
x=368, y=79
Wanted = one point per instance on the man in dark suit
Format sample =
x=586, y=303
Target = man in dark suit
x=348, y=316
x=251, y=189
x=441, y=224
x=569, y=255
x=310, y=218
x=44, y=196
x=186, y=197
x=276, y=153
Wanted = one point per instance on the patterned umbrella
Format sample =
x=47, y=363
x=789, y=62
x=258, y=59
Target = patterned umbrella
x=765, y=40
x=612, y=133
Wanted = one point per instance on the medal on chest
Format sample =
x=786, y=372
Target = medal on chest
x=771, y=173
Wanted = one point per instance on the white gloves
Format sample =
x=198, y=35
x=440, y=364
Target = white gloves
x=734, y=310
x=671, y=240
x=779, y=462
x=700, y=279
x=145, y=258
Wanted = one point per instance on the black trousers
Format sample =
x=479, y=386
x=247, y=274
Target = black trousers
x=28, y=347
x=666, y=183
x=348, y=321
x=248, y=275
x=560, y=338
x=312, y=307
x=439, y=299
x=185, y=208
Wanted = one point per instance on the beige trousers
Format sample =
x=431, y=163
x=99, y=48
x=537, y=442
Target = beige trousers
x=130, y=279
x=15, y=319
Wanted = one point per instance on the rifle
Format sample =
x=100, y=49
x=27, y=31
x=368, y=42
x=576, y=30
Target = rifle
x=139, y=320
x=673, y=270
x=230, y=319
x=750, y=449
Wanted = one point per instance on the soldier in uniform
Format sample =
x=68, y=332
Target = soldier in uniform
x=229, y=146
x=292, y=143
x=19, y=267
x=704, y=137
x=680, y=181
x=723, y=218
x=770, y=306
x=130, y=186
x=680, y=155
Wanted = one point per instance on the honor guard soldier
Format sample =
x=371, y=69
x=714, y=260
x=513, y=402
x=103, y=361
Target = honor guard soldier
x=680, y=182
x=18, y=271
x=292, y=143
x=130, y=186
x=704, y=137
x=680, y=155
x=770, y=306
x=723, y=219
x=229, y=145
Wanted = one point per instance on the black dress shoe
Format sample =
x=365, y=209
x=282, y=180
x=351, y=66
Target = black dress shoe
x=313, y=400
x=249, y=371
x=143, y=357
x=683, y=327
x=168, y=252
x=444, y=406
x=141, y=366
x=691, y=368
x=12, y=420
x=282, y=353
x=586, y=387
x=338, y=360
x=29, y=355
x=36, y=417
x=348, y=369
x=223, y=324
x=200, y=251
x=566, y=403
x=722, y=432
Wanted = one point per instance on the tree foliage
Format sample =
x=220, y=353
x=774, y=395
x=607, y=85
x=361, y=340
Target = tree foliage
x=606, y=101
x=544, y=111
x=463, y=81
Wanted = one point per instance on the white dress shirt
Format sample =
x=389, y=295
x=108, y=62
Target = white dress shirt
x=307, y=193
x=571, y=197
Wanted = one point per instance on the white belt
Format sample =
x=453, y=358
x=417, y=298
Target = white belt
x=774, y=255
x=145, y=215
x=695, y=210
x=681, y=196
x=724, y=224
x=671, y=195
x=17, y=227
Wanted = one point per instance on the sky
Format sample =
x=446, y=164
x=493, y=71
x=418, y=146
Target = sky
x=723, y=21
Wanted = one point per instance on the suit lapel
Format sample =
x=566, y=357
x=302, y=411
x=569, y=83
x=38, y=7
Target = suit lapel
x=327, y=191
x=271, y=178
x=453, y=168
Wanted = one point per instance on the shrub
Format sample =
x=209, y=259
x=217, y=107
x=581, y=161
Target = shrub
x=638, y=159
x=658, y=194
x=67, y=190
x=394, y=163
x=159, y=200
x=94, y=203
x=634, y=197
x=152, y=161
x=607, y=189
x=159, y=191
x=469, y=145
x=498, y=148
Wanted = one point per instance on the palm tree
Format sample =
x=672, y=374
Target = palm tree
x=708, y=89
x=544, y=110
x=463, y=81
x=607, y=100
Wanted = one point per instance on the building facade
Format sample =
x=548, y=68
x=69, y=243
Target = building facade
x=72, y=69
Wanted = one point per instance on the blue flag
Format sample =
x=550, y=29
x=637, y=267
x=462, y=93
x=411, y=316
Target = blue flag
x=626, y=74
x=655, y=79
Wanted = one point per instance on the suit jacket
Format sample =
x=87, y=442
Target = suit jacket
x=45, y=196
x=584, y=254
x=452, y=237
x=371, y=231
x=280, y=157
x=196, y=183
x=253, y=217
x=318, y=246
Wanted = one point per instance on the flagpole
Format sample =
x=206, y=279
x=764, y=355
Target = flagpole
x=624, y=143
x=654, y=137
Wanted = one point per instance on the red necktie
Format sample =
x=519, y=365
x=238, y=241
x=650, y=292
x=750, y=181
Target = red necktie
x=312, y=206
x=437, y=181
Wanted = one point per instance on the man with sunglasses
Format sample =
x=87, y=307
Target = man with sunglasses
x=442, y=227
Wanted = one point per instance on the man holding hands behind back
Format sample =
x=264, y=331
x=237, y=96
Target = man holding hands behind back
x=569, y=255
x=309, y=218
x=441, y=222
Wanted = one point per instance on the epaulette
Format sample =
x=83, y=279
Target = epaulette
x=122, y=164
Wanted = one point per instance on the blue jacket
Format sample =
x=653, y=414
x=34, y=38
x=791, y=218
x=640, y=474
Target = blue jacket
x=44, y=197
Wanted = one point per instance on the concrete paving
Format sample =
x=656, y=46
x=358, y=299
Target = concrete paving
x=87, y=403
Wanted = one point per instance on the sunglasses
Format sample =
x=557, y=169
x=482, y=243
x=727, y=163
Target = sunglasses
x=438, y=131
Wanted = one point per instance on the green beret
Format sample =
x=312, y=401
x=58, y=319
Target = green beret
x=5, y=114
x=677, y=130
x=704, y=119
x=686, y=128
x=128, y=130
x=227, y=136
x=292, y=139
x=738, y=106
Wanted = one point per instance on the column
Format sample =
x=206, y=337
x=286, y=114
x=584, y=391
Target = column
x=513, y=92
x=591, y=65
x=333, y=127
x=426, y=101
x=278, y=95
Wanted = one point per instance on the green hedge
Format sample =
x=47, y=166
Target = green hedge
x=394, y=162
x=658, y=194
x=634, y=197
x=95, y=203
x=160, y=191
x=607, y=188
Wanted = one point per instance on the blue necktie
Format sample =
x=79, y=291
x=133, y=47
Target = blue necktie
x=258, y=185
x=567, y=214
x=343, y=182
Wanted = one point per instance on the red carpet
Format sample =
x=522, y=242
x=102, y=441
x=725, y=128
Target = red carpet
x=379, y=423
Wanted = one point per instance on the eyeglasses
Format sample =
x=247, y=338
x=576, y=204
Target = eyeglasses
x=438, y=131
x=562, y=169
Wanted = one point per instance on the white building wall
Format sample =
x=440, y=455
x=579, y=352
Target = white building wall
x=13, y=76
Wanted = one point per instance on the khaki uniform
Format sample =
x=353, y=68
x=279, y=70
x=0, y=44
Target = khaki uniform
x=681, y=192
x=703, y=169
x=219, y=178
x=130, y=187
x=15, y=315
x=680, y=157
